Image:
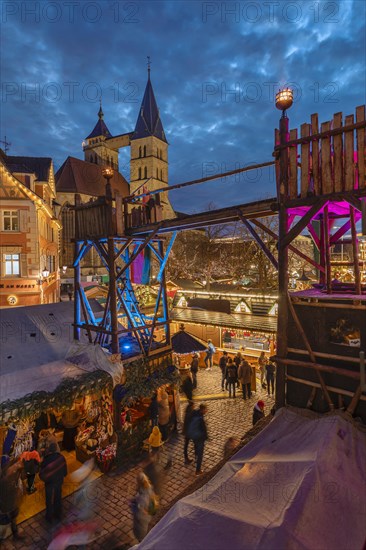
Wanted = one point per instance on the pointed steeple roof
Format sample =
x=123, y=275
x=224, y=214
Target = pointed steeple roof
x=148, y=122
x=100, y=129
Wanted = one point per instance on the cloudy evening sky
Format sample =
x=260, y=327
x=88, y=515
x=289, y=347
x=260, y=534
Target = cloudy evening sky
x=215, y=66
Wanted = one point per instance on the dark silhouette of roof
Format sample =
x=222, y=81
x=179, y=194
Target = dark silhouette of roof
x=183, y=342
x=222, y=306
x=148, y=122
x=29, y=165
x=80, y=176
x=100, y=129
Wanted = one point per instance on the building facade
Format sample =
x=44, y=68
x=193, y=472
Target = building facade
x=29, y=232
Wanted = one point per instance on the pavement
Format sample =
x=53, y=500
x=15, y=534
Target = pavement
x=109, y=496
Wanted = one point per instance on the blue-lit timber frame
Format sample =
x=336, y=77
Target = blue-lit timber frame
x=97, y=226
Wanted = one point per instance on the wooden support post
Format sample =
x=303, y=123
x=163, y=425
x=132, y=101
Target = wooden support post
x=283, y=265
x=328, y=268
x=77, y=316
x=113, y=295
x=356, y=265
x=165, y=298
x=354, y=401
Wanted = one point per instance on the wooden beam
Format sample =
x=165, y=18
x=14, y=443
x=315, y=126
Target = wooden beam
x=355, y=375
x=139, y=249
x=302, y=223
x=166, y=256
x=328, y=267
x=356, y=266
x=123, y=248
x=314, y=385
x=326, y=355
x=259, y=241
x=341, y=231
x=354, y=402
x=354, y=202
x=313, y=235
x=290, y=247
x=320, y=135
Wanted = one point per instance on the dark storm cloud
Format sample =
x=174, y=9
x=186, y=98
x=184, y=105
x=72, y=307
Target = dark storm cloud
x=215, y=66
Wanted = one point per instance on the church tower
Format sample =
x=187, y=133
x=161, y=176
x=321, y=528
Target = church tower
x=96, y=146
x=149, y=151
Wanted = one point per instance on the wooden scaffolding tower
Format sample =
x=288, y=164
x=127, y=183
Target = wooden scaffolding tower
x=321, y=331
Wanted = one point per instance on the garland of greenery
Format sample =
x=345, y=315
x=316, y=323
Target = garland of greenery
x=31, y=405
x=143, y=378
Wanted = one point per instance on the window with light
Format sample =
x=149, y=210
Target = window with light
x=12, y=264
x=10, y=220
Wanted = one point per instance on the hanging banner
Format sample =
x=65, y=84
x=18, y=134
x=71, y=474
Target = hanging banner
x=141, y=267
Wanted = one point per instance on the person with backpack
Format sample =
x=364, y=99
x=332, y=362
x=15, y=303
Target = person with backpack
x=194, y=369
x=209, y=354
x=245, y=377
x=231, y=376
x=31, y=461
x=270, y=375
x=222, y=364
x=197, y=431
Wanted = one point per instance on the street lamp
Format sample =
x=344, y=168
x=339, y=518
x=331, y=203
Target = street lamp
x=107, y=173
x=64, y=269
x=45, y=273
x=284, y=100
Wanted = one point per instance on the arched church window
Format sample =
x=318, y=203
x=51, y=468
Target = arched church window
x=140, y=151
x=139, y=173
x=161, y=175
x=144, y=150
x=157, y=173
x=145, y=172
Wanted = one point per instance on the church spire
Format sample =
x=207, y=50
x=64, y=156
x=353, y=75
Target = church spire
x=100, y=129
x=100, y=112
x=149, y=122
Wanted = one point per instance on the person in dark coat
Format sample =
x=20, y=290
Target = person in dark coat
x=194, y=369
x=154, y=409
x=237, y=361
x=245, y=377
x=11, y=496
x=197, y=431
x=258, y=412
x=52, y=473
x=187, y=418
x=270, y=375
x=222, y=364
x=187, y=386
x=231, y=376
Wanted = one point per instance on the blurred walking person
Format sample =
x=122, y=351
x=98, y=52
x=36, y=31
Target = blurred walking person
x=11, y=494
x=187, y=418
x=209, y=354
x=262, y=362
x=197, y=431
x=144, y=506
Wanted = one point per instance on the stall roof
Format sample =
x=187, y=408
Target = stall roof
x=183, y=342
x=242, y=321
x=36, y=335
x=297, y=485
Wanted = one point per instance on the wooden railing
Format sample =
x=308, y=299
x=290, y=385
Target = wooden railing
x=331, y=160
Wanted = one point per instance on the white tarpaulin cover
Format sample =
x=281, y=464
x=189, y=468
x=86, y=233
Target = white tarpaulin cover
x=90, y=357
x=300, y=484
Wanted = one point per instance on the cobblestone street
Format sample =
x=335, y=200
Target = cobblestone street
x=110, y=495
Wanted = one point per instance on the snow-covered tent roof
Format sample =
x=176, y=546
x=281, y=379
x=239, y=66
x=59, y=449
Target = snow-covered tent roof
x=300, y=484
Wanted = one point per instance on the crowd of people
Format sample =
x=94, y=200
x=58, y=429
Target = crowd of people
x=47, y=461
